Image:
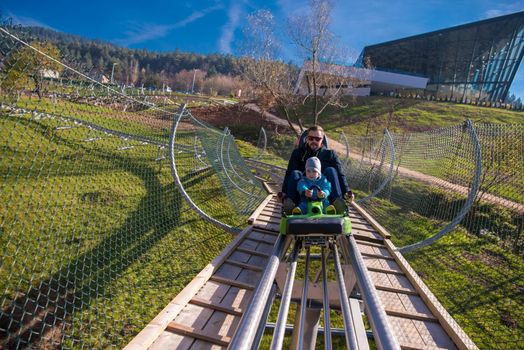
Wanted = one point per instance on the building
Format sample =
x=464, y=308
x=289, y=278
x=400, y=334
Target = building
x=353, y=80
x=471, y=62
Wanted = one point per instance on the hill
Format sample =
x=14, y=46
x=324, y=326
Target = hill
x=365, y=115
x=132, y=66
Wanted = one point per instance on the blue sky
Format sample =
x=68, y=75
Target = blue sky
x=208, y=26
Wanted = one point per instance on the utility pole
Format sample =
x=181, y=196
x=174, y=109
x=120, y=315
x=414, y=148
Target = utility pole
x=193, y=85
x=113, y=71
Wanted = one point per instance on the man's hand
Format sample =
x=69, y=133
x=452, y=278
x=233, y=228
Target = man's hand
x=281, y=196
x=321, y=194
x=308, y=193
x=349, y=197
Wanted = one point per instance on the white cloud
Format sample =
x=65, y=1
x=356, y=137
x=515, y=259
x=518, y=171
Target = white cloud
x=28, y=21
x=505, y=9
x=140, y=33
x=236, y=10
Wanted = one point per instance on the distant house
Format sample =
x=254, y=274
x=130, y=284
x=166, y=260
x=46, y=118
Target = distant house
x=49, y=73
x=101, y=78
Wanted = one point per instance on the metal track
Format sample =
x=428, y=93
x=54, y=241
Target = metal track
x=208, y=312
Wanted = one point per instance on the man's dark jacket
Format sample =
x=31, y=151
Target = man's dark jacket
x=327, y=157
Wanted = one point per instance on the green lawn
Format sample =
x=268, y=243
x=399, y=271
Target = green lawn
x=92, y=224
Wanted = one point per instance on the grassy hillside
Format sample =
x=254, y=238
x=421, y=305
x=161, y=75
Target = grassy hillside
x=373, y=114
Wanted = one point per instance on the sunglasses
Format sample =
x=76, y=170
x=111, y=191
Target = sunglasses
x=314, y=138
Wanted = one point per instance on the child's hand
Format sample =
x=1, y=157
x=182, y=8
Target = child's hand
x=308, y=193
x=321, y=194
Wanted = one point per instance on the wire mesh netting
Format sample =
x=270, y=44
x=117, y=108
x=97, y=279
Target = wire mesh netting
x=95, y=236
x=464, y=181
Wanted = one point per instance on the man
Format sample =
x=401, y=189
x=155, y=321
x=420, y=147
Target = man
x=331, y=168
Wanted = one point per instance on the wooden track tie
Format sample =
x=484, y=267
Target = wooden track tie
x=413, y=346
x=378, y=269
x=265, y=231
x=359, y=227
x=252, y=252
x=258, y=240
x=218, y=307
x=244, y=265
x=231, y=282
x=360, y=237
x=197, y=334
x=411, y=315
x=396, y=290
x=378, y=256
x=371, y=244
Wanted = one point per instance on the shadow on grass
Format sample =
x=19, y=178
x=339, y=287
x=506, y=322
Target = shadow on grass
x=48, y=305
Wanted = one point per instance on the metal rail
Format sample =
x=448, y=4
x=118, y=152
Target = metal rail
x=351, y=337
x=303, y=302
x=327, y=325
x=283, y=311
x=247, y=330
x=196, y=208
x=376, y=314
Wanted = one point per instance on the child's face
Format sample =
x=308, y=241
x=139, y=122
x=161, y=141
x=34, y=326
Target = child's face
x=312, y=174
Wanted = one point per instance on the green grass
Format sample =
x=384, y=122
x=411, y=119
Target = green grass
x=98, y=229
x=371, y=114
x=477, y=278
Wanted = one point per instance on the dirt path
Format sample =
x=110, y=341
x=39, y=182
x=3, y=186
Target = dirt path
x=405, y=172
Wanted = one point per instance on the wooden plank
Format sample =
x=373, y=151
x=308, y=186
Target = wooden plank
x=151, y=332
x=232, y=282
x=360, y=227
x=413, y=346
x=170, y=340
x=378, y=256
x=259, y=209
x=267, y=226
x=434, y=335
x=266, y=231
x=381, y=270
x=244, y=265
x=451, y=327
x=198, y=334
x=411, y=315
x=371, y=244
x=219, y=307
x=405, y=331
x=263, y=241
x=372, y=221
x=368, y=238
x=268, y=219
x=396, y=290
x=269, y=188
x=252, y=252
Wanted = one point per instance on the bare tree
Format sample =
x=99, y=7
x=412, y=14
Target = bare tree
x=272, y=78
x=325, y=78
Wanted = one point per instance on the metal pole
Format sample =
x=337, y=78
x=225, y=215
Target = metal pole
x=113, y=71
x=382, y=330
x=351, y=337
x=327, y=326
x=280, y=326
x=303, y=302
x=193, y=84
x=247, y=329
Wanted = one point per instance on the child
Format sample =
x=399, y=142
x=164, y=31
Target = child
x=314, y=186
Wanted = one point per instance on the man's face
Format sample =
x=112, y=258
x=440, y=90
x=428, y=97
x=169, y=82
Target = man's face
x=314, y=139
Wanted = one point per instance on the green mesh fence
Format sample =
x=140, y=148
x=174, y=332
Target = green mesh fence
x=463, y=185
x=95, y=236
